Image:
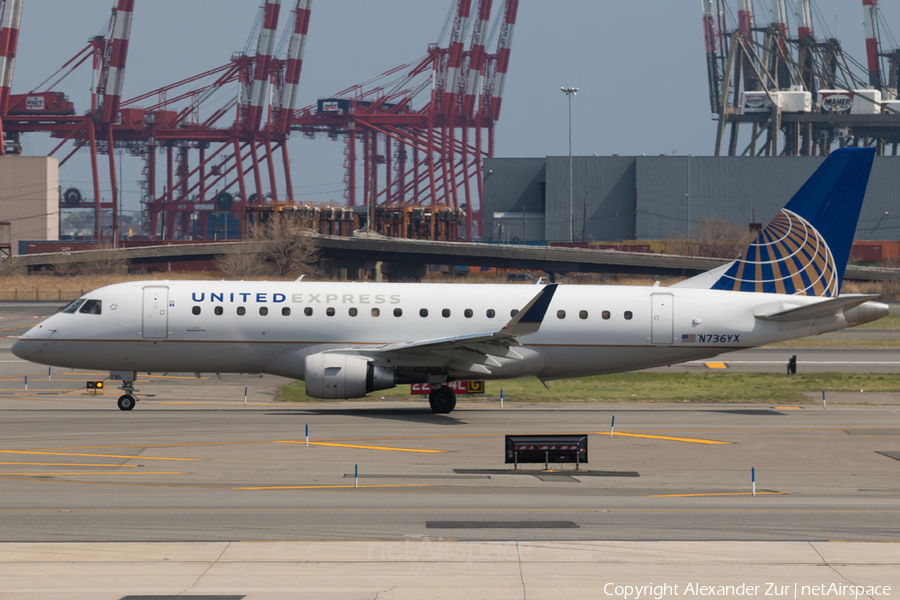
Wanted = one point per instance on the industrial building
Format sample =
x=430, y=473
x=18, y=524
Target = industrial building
x=419, y=139
x=654, y=197
x=29, y=198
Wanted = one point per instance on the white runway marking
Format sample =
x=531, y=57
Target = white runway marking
x=808, y=362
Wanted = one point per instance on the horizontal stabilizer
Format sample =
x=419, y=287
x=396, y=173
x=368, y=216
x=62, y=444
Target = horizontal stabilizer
x=827, y=308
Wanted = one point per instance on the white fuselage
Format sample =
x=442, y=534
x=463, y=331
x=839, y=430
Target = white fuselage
x=152, y=326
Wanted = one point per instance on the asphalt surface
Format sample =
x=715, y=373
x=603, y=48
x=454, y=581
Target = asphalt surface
x=193, y=463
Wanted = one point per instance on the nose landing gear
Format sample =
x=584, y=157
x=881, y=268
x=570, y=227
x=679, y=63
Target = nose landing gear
x=128, y=399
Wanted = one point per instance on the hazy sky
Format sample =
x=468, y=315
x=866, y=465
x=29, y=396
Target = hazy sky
x=639, y=64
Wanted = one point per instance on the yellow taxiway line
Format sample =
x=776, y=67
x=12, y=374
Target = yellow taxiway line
x=328, y=487
x=718, y=494
x=364, y=447
x=43, y=464
x=104, y=473
x=93, y=455
x=663, y=437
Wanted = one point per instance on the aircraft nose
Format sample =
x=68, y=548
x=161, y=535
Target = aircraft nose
x=19, y=350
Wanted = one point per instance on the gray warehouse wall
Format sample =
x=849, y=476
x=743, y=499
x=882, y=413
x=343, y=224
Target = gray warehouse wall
x=653, y=197
x=514, y=185
x=605, y=186
x=676, y=192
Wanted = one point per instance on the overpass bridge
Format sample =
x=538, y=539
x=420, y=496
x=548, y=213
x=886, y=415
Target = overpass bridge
x=408, y=259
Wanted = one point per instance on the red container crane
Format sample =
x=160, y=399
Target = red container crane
x=870, y=14
x=10, y=21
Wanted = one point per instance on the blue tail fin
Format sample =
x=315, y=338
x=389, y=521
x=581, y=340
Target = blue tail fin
x=804, y=250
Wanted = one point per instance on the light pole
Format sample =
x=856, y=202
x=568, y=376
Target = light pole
x=569, y=92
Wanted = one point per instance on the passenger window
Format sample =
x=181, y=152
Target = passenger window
x=263, y=311
x=353, y=312
x=241, y=311
x=468, y=313
x=307, y=311
x=286, y=311
x=628, y=315
x=71, y=308
x=513, y=312
x=605, y=315
x=423, y=312
x=329, y=311
x=218, y=311
x=445, y=313
x=91, y=307
x=582, y=314
x=398, y=312
x=490, y=313
x=560, y=314
x=196, y=310
x=376, y=312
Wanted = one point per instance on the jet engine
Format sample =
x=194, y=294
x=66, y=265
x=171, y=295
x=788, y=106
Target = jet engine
x=336, y=376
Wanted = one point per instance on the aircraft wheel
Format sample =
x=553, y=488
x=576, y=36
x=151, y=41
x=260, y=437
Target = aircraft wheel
x=126, y=402
x=442, y=400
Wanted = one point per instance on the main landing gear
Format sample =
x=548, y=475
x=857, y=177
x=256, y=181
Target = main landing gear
x=442, y=400
x=127, y=400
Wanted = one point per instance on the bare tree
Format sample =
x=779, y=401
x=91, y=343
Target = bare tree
x=242, y=264
x=104, y=261
x=286, y=248
x=10, y=267
x=713, y=238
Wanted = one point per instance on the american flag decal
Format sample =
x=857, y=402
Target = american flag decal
x=689, y=338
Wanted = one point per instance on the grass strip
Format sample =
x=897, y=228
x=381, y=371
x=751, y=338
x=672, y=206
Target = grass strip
x=838, y=344
x=658, y=387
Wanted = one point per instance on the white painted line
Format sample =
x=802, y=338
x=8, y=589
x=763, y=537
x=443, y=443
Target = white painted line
x=806, y=362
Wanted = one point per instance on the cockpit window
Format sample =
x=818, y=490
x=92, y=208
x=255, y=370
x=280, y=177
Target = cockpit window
x=72, y=307
x=91, y=307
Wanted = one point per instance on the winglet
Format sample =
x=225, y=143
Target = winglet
x=529, y=319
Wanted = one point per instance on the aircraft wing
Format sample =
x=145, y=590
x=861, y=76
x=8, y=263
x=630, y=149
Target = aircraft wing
x=826, y=308
x=474, y=353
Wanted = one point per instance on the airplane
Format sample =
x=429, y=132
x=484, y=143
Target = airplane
x=346, y=340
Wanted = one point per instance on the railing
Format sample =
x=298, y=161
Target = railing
x=40, y=295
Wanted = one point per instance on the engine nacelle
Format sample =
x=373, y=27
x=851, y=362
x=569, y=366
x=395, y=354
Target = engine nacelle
x=338, y=376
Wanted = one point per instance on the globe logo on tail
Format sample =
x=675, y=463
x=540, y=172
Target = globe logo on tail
x=788, y=257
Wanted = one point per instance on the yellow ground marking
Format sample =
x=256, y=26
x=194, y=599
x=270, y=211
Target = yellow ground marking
x=436, y=437
x=664, y=437
x=787, y=407
x=59, y=398
x=716, y=365
x=42, y=464
x=236, y=402
x=94, y=455
x=163, y=445
x=363, y=447
x=19, y=327
x=104, y=473
x=327, y=487
x=718, y=494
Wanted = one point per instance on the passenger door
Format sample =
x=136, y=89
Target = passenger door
x=661, y=327
x=156, y=313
